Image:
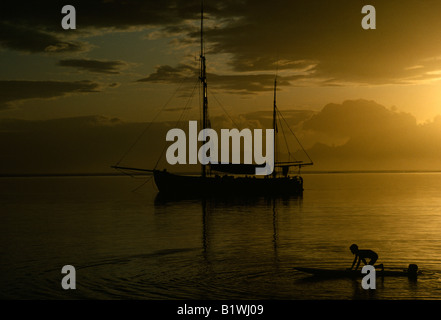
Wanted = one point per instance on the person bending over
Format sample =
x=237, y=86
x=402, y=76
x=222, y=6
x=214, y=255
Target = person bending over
x=362, y=255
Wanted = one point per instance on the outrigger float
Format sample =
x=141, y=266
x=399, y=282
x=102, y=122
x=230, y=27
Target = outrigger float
x=411, y=272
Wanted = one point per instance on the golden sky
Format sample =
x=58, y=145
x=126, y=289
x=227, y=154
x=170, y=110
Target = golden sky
x=126, y=59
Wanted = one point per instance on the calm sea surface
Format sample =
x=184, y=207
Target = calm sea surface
x=126, y=244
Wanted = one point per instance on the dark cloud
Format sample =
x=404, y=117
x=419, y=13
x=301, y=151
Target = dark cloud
x=234, y=83
x=328, y=33
x=166, y=73
x=324, y=36
x=29, y=39
x=100, y=66
x=359, y=117
x=376, y=138
x=115, y=13
x=12, y=91
x=35, y=26
x=247, y=83
x=325, y=40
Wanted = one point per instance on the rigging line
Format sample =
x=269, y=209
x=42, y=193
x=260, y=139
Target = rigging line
x=220, y=104
x=179, y=120
x=143, y=184
x=153, y=120
x=125, y=173
x=128, y=173
x=286, y=142
x=281, y=115
x=177, y=123
x=185, y=110
x=200, y=105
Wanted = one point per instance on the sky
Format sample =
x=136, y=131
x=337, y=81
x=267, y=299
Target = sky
x=75, y=100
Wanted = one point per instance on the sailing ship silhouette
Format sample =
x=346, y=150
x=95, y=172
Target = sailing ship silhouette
x=239, y=178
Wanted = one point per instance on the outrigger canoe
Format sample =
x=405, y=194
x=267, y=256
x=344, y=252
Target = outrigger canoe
x=410, y=272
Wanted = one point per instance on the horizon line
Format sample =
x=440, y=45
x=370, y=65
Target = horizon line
x=103, y=174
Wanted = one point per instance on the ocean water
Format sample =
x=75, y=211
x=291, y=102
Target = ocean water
x=126, y=244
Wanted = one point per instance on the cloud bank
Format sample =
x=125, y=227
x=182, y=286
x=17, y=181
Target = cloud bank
x=325, y=38
x=100, y=66
x=354, y=135
x=13, y=91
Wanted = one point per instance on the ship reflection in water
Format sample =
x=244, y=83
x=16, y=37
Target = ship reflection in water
x=229, y=203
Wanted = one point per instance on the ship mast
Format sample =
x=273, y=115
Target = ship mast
x=203, y=79
x=275, y=123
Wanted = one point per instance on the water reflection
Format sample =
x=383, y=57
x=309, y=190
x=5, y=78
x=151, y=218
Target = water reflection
x=267, y=236
x=129, y=245
x=208, y=206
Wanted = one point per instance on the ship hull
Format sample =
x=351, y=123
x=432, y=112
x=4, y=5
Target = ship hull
x=174, y=184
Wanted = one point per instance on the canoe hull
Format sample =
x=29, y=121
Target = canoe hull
x=342, y=273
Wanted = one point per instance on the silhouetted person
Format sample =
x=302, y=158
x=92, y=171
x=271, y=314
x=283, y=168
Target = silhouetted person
x=362, y=255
